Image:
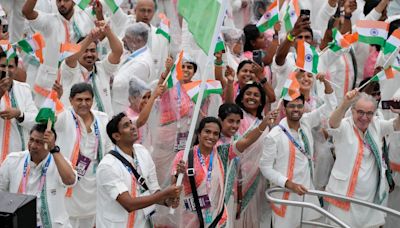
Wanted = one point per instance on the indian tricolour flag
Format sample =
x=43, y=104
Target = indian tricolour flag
x=163, y=29
x=211, y=87
x=372, y=32
x=33, y=45
x=292, y=12
x=291, y=88
x=392, y=43
x=341, y=41
x=175, y=74
x=270, y=17
x=8, y=49
x=48, y=109
x=383, y=75
x=68, y=49
x=82, y=3
x=307, y=57
x=113, y=4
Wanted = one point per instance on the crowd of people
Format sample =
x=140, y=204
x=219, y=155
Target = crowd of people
x=119, y=84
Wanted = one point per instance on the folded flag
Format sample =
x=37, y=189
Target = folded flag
x=270, y=17
x=392, y=42
x=33, y=45
x=372, y=32
x=49, y=108
x=163, y=29
x=211, y=87
x=82, y=3
x=383, y=75
x=68, y=49
x=175, y=74
x=292, y=12
x=113, y=4
x=8, y=49
x=307, y=57
x=341, y=41
x=291, y=88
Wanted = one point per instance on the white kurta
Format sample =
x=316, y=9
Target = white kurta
x=11, y=174
x=23, y=97
x=57, y=30
x=104, y=71
x=274, y=162
x=346, y=149
x=83, y=200
x=114, y=179
x=141, y=66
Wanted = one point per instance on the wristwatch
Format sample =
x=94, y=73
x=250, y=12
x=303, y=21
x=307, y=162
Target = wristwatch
x=263, y=81
x=56, y=149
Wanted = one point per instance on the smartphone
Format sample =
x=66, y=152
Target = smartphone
x=388, y=104
x=5, y=28
x=3, y=74
x=257, y=57
x=305, y=13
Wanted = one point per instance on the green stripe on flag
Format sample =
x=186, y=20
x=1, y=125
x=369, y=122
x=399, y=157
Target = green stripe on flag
x=45, y=114
x=25, y=46
x=220, y=46
x=113, y=5
x=269, y=24
x=170, y=81
x=371, y=40
x=284, y=92
x=315, y=60
x=389, y=48
x=164, y=34
x=201, y=17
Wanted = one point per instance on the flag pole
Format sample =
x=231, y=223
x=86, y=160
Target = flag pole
x=210, y=57
x=48, y=128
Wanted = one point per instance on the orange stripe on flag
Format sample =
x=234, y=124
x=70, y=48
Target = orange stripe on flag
x=70, y=47
x=38, y=38
x=372, y=24
x=296, y=7
x=179, y=72
x=389, y=73
x=301, y=52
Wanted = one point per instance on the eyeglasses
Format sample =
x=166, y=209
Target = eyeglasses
x=362, y=113
x=293, y=106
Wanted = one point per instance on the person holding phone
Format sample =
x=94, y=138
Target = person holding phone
x=17, y=110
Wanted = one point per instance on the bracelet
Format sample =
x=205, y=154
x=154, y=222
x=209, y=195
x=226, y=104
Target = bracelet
x=347, y=17
x=258, y=128
x=218, y=63
x=290, y=37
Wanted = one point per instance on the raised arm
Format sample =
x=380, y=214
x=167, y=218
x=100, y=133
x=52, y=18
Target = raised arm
x=340, y=111
x=115, y=44
x=28, y=10
x=145, y=113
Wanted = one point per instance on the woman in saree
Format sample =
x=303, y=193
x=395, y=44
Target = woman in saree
x=210, y=163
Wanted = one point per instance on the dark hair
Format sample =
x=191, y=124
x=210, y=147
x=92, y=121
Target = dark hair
x=4, y=55
x=81, y=88
x=112, y=125
x=41, y=128
x=393, y=26
x=241, y=65
x=251, y=33
x=84, y=37
x=375, y=85
x=263, y=100
x=301, y=97
x=228, y=108
x=309, y=29
x=202, y=125
x=193, y=64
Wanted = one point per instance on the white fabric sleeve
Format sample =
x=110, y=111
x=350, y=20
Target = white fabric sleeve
x=29, y=109
x=314, y=118
x=5, y=175
x=43, y=23
x=387, y=126
x=267, y=161
x=108, y=67
x=111, y=181
x=323, y=17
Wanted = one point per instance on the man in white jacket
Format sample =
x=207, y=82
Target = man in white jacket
x=288, y=156
x=17, y=110
x=359, y=169
x=83, y=140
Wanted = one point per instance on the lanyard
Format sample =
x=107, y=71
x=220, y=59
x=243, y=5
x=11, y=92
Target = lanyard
x=26, y=172
x=96, y=132
x=295, y=143
x=135, y=54
x=208, y=171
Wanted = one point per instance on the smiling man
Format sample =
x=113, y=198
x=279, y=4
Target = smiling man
x=288, y=156
x=359, y=169
x=83, y=140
